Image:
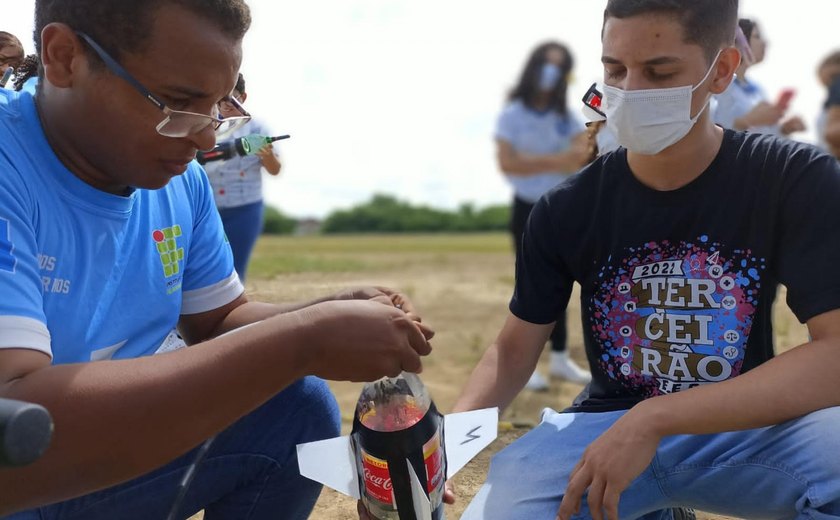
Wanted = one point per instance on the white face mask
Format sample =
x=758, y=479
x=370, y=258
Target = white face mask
x=648, y=121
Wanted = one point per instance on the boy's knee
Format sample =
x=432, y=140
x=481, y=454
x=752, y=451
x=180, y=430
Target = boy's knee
x=317, y=408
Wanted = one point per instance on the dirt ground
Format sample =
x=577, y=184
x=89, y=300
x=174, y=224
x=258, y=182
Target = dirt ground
x=463, y=295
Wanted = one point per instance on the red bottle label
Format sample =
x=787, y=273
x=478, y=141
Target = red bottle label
x=433, y=458
x=377, y=479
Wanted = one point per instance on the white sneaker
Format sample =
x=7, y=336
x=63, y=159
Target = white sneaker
x=537, y=383
x=564, y=367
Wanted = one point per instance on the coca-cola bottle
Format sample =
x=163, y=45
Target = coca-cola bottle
x=397, y=424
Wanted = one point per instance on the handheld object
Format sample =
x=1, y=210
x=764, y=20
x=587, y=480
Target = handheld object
x=248, y=145
x=785, y=96
x=401, y=450
x=592, y=104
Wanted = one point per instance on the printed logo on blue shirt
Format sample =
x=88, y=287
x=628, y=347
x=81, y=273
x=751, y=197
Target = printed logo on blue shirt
x=7, y=259
x=171, y=256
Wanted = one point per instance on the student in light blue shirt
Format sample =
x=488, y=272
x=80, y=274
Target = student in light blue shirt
x=539, y=144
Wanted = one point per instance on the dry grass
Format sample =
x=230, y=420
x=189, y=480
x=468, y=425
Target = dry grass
x=462, y=285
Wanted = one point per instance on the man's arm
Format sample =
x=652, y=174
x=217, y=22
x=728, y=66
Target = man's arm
x=770, y=394
x=117, y=419
x=195, y=328
x=513, y=163
x=505, y=367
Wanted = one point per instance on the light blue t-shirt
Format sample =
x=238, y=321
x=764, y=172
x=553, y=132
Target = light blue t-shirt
x=87, y=275
x=536, y=133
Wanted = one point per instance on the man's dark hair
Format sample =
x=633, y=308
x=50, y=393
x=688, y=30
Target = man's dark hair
x=240, y=84
x=124, y=26
x=708, y=23
x=527, y=89
x=748, y=26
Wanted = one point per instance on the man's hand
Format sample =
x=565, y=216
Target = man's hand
x=385, y=296
x=269, y=160
x=792, y=125
x=362, y=340
x=609, y=465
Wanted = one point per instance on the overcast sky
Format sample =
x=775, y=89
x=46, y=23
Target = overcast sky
x=401, y=96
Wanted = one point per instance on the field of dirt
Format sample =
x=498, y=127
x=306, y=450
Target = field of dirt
x=461, y=285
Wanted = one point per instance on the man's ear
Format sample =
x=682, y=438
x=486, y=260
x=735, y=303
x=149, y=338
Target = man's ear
x=727, y=64
x=243, y=97
x=61, y=54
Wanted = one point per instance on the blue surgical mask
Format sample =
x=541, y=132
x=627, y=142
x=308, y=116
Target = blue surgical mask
x=550, y=75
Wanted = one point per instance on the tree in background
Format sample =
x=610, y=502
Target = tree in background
x=386, y=214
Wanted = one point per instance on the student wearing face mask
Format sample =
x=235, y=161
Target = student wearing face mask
x=678, y=240
x=539, y=144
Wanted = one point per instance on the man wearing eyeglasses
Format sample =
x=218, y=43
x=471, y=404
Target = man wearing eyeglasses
x=109, y=239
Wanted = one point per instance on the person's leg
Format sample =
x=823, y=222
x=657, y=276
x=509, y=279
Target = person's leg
x=249, y=473
x=787, y=471
x=243, y=226
x=528, y=478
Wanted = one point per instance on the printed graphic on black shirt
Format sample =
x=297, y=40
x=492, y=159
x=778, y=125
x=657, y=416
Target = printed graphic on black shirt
x=669, y=317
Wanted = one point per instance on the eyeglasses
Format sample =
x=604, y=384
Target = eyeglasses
x=177, y=123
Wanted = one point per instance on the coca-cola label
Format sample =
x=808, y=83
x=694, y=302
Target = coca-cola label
x=377, y=479
x=433, y=458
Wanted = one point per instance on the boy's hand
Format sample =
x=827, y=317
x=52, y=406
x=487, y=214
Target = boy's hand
x=609, y=465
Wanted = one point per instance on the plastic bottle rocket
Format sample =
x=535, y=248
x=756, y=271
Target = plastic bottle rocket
x=400, y=452
x=248, y=145
x=396, y=421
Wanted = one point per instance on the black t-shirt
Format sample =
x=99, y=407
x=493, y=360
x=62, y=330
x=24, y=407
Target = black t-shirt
x=678, y=286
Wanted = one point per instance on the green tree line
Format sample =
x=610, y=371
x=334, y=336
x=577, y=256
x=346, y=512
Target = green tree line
x=387, y=214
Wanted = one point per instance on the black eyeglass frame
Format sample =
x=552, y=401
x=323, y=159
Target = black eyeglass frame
x=216, y=120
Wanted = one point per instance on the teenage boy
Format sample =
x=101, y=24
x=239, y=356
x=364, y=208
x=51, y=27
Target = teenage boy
x=678, y=241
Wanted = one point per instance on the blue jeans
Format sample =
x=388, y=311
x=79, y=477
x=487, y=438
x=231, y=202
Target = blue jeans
x=249, y=473
x=791, y=470
x=243, y=225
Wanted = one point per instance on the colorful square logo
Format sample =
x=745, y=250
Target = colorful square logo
x=171, y=256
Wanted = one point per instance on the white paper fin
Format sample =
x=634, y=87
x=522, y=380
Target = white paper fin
x=466, y=434
x=330, y=462
x=422, y=506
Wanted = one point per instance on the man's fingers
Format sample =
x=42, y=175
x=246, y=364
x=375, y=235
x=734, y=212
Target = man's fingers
x=611, y=497
x=362, y=510
x=595, y=499
x=574, y=491
x=424, y=329
x=448, y=493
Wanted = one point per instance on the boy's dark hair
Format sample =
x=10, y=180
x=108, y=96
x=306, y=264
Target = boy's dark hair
x=748, y=26
x=240, y=84
x=8, y=39
x=527, y=88
x=28, y=68
x=708, y=23
x=121, y=26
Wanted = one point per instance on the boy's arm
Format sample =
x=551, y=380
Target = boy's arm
x=770, y=394
x=505, y=367
x=118, y=419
